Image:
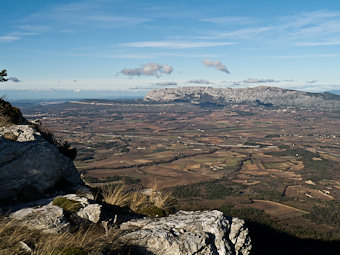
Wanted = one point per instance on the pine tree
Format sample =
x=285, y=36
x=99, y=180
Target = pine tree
x=3, y=75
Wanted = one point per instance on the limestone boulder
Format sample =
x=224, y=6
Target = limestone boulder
x=207, y=232
x=53, y=218
x=48, y=218
x=29, y=165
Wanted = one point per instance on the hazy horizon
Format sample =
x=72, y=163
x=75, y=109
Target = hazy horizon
x=55, y=94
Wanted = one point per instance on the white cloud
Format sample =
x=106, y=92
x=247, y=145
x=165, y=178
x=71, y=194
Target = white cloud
x=309, y=26
x=149, y=69
x=165, y=84
x=91, y=14
x=301, y=29
x=312, y=81
x=200, y=81
x=252, y=80
x=229, y=19
x=215, y=64
x=142, y=87
x=330, y=43
x=9, y=38
x=243, y=33
x=332, y=55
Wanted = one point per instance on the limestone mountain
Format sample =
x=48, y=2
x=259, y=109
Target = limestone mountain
x=262, y=95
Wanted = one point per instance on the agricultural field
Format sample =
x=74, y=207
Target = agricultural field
x=264, y=164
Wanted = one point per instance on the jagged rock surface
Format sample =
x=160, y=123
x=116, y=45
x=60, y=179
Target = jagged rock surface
x=29, y=165
x=208, y=232
x=48, y=218
x=257, y=95
x=205, y=233
x=51, y=218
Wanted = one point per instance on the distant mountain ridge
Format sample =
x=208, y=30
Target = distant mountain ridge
x=262, y=95
x=336, y=92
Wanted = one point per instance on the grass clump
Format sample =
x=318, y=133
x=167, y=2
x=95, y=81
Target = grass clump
x=163, y=200
x=68, y=205
x=148, y=202
x=116, y=195
x=80, y=242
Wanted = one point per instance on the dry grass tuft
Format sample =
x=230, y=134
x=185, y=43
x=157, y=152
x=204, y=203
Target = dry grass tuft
x=160, y=199
x=136, y=200
x=116, y=195
x=82, y=241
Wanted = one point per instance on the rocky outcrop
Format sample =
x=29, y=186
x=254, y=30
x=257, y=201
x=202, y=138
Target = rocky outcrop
x=54, y=218
x=208, y=232
x=258, y=96
x=29, y=165
x=48, y=218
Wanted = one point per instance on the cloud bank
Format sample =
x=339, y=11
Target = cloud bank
x=252, y=80
x=166, y=83
x=149, y=69
x=215, y=64
x=200, y=81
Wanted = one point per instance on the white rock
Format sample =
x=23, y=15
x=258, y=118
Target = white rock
x=51, y=219
x=24, y=133
x=48, y=218
x=208, y=232
x=89, y=211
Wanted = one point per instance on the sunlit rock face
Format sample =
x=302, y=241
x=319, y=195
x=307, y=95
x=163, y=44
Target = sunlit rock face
x=207, y=232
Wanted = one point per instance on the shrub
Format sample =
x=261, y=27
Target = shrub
x=9, y=114
x=152, y=210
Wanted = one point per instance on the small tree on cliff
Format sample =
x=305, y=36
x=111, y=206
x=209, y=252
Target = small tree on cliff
x=3, y=75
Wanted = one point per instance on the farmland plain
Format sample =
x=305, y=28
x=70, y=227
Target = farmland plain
x=256, y=162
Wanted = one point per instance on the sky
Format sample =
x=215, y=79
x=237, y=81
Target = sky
x=135, y=46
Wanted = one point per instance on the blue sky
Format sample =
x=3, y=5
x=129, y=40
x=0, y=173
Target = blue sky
x=139, y=45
